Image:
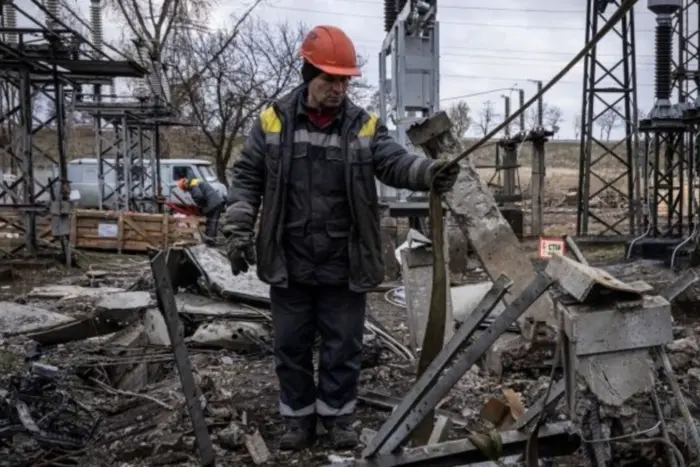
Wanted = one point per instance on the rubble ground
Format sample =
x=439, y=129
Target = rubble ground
x=103, y=390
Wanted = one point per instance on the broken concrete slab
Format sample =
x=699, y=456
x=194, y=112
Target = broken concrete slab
x=155, y=328
x=111, y=313
x=123, y=305
x=217, y=278
x=615, y=377
x=234, y=335
x=19, y=319
x=208, y=307
x=586, y=283
x=57, y=292
x=605, y=329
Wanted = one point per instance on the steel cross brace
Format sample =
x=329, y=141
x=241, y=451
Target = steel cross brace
x=435, y=384
x=160, y=266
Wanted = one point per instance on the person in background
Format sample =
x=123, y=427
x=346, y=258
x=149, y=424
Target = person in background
x=209, y=201
x=309, y=164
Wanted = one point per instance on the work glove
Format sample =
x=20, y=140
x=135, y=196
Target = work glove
x=241, y=254
x=445, y=180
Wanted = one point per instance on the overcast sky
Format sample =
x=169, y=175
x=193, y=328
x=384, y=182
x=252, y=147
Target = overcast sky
x=484, y=44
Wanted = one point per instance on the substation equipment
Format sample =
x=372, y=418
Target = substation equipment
x=409, y=83
x=654, y=180
x=52, y=62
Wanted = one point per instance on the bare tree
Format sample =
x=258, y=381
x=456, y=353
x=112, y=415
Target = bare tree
x=154, y=25
x=552, y=116
x=224, y=96
x=486, y=117
x=608, y=121
x=460, y=114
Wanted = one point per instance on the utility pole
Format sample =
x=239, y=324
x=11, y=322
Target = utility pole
x=506, y=102
x=540, y=103
x=537, y=178
x=521, y=101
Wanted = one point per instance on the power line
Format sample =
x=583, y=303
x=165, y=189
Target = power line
x=478, y=8
x=461, y=23
x=375, y=44
x=526, y=60
x=515, y=81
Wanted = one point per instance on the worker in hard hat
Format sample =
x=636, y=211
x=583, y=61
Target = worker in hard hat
x=312, y=158
x=209, y=201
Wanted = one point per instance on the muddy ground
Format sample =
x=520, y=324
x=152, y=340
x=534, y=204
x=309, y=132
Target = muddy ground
x=151, y=426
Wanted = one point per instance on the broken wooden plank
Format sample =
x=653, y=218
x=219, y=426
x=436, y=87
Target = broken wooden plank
x=168, y=307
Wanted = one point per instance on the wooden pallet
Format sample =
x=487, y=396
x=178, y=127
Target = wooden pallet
x=109, y=230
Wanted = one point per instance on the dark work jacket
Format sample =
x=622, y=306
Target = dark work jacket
x=317, y=212
x=262, y=170
x=204, y=195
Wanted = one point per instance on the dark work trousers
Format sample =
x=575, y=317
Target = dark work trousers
x=338, y=315
x=211, y=228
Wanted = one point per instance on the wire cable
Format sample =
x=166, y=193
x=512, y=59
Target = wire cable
x=538, y=27
x=624, y=8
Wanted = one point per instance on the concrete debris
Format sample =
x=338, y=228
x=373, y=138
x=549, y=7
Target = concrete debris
x=58, y=292
x=94, y=348
x=155, y=328
x=216, y=276
x=257, y=448
x=201, y=307
x=231, y=437
x=18, y=319
x=232, y=335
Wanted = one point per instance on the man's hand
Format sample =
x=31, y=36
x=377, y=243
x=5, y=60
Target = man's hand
x=445, y=179
x=241, y=254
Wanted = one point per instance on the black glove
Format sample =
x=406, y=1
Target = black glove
x=445, y=179
x=241, y=254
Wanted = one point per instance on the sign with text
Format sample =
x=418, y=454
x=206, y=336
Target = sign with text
x=546, y=246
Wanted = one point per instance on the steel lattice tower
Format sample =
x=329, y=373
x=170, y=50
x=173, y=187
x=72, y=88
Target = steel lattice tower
x=607, y=168
x=668, y=176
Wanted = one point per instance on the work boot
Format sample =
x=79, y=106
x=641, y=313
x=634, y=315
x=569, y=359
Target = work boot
x=341, y=432
x=300, y=433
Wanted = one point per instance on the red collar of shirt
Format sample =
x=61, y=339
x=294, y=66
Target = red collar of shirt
x=321, y=118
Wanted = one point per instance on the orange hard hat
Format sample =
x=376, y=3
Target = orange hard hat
x=330, y=50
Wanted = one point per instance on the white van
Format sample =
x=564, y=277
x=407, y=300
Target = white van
x=82, y=173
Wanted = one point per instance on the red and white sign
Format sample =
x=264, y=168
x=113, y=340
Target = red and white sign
x=546, y=246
